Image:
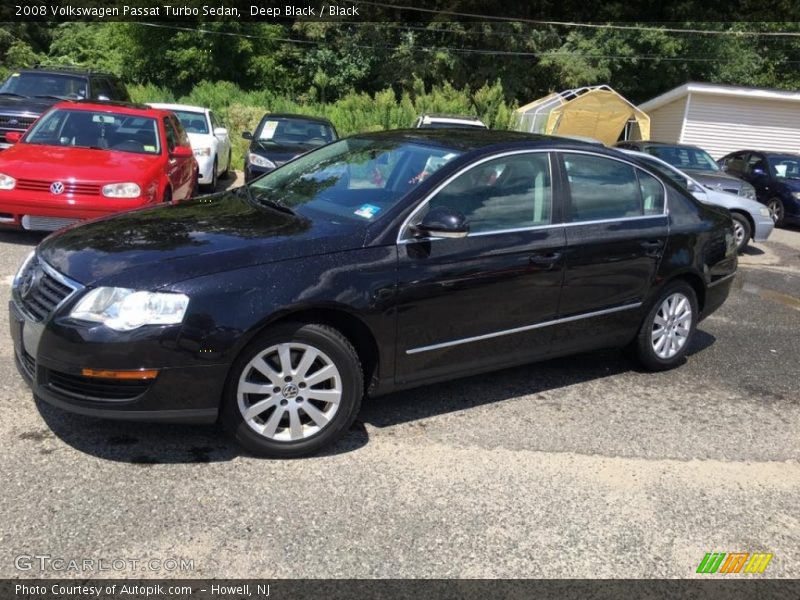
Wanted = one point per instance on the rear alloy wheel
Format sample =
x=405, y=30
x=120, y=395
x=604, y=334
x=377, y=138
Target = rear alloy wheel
x=665, y=334
x=295, y=390
x=775, y=206
x=741, y=231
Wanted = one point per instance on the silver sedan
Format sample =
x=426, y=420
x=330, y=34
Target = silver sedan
x=751, y=220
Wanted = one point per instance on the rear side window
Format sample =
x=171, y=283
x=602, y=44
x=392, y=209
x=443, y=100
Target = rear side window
x=601, y=188
x=652, y=193
x=172, y=137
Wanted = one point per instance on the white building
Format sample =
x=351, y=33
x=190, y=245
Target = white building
x=724, y=118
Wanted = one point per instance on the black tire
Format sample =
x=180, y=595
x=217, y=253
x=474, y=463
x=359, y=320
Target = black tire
x=333, y=347
x=212, y=187
x=777, y=209
x=643, y=346
x=742, y=231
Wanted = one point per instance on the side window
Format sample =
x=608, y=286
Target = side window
x=172, y=137
x=120, y=92
x=756, y=162
x=182, y=137
x=101, y=87
x=506, y=193
x=601, y=188
x=652, y=193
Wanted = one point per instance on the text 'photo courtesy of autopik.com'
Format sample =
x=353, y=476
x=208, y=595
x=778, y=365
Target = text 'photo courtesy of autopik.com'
x=399, y=299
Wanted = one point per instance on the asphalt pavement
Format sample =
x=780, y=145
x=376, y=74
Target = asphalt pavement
x=576, y=467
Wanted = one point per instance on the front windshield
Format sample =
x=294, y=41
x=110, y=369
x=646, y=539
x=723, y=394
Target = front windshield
x=193, y=122
x=684, y=157
x=45, y=84
x=281, y=131
x=785, y=166
x=355, y=179
x=96, y=129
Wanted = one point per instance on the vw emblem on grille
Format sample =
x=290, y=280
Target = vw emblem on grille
x=57, y=187
x=30, y=283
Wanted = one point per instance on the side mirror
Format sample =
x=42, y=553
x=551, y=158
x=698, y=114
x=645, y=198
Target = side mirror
x=103, y=98
x=12, y=137
x=757, y=172
x=247, y=135
x=182, y=152
x=442, y=222
x=220, y=131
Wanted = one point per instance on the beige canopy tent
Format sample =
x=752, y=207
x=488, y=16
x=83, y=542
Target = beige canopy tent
x=596, y=112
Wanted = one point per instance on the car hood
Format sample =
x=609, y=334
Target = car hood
x=732, y=201
x=717, y=180
x=157, y=246
x=34, y=161
x=279, y=153
x=26, y=104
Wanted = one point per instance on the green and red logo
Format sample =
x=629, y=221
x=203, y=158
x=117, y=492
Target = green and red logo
x=734, y=562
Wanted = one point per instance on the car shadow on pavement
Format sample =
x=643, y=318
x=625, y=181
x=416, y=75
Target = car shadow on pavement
x=149, y=444
x=751, y=250
x=535, y=378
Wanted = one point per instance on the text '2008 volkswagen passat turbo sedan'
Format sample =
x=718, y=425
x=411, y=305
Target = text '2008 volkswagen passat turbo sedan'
x=379, y=262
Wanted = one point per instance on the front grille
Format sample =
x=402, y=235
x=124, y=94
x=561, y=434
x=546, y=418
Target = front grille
x=93, y=388
x=70, y=187
x=731, y=190
x=39, y=292
x=35, y=223
x=14, y=123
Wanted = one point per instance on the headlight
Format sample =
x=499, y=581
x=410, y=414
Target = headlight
x=764, y=212
x=260, y=161
x=748, y=192
x=202, y=151
x=796, y=195
x=7, y=182
x=122, y=309
x=121, y=190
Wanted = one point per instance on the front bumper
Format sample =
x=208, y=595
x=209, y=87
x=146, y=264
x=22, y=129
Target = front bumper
x=50, y=358
x=253, y=171
x=206, y=167
x=763, y=227
x=36, y=211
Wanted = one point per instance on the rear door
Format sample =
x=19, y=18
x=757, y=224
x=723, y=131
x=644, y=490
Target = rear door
x=480, y=301
x=616, y=231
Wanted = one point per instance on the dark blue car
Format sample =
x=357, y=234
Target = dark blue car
x=776, y=177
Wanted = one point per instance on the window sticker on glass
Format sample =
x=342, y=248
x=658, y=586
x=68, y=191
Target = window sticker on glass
x=149, y=148
x=368, y=211
x=268, y=131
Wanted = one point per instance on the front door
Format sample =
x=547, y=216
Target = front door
x=616, y=231
x=478, y=301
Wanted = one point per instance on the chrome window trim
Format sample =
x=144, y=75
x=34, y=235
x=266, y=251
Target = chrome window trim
x=403, y=240
x=449, y=180
x=478, y=338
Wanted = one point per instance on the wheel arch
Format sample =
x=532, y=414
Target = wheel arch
x=349, y=325
x=748, y=217
x=697, y=284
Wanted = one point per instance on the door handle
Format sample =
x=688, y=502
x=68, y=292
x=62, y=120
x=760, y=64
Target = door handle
x=545, y=260
x=652, y=245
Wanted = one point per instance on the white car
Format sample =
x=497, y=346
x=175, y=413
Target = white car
x=751, y=219
x=210, y=141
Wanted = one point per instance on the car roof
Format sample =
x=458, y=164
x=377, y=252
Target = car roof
x=109, y=106
x=645, y=143
x=55, y=70
x=764, y=152
x=474, y=139
x=299, y=117
x=186, y=107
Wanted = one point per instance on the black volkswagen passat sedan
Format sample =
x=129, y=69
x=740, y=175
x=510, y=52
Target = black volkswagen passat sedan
x=375, y=263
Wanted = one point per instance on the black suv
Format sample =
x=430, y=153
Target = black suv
x=27, y=93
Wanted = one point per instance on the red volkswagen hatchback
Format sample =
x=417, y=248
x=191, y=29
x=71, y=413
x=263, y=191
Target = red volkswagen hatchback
x=82, y=160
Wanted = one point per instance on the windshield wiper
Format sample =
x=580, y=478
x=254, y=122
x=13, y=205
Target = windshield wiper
x=50, y=96
x=13, y=94
x=261, y=198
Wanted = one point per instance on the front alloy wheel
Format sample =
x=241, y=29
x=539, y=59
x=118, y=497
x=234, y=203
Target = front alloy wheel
x=666, y=332
x=294, y=390
x=741, y=231
x=775, y=207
